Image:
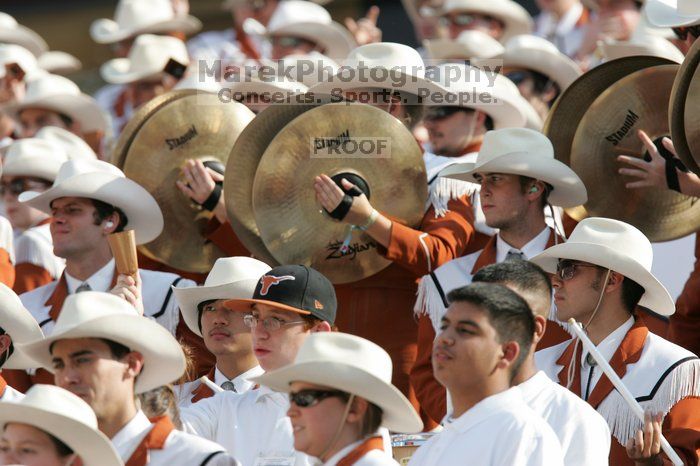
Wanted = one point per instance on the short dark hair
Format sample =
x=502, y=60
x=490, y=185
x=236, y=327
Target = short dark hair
x=200, y=309
x=65, y=119
x=632, y=293
x=532, y=283
x=9, y=352
x=62, y=449
x=117, y=349
x=526, y=182
x=508, y=314
x=372, y=420
x=104, y=210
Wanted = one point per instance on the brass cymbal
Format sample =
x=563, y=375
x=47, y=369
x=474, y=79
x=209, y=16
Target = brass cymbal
x=608, y=129
x=189, y=125
x=284, y=203
x=681, y=108
x=240, y=173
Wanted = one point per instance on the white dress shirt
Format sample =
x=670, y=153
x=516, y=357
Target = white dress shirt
x=179, y=448
x=250, y=425
x=500, y=430
x=371, y=458
x=35, y=246
x=242, y=383
x=583, y=433
x=98, y=281
x=607, y=348
x=535, y=246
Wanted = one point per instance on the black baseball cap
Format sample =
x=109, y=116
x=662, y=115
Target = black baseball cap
x=295, y=288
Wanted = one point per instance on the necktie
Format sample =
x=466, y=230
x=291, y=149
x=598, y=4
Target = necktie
x=514, y=255
x=228, y=385
x=85, y=286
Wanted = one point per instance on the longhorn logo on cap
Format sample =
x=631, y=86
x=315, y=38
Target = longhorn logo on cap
x=270, y=280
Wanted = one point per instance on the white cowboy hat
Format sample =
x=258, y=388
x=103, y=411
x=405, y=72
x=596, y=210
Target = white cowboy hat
x=515, y=18
x=59, y=94
x=65, y=416
x=384, y=65
x=617, y=246
x=530, y=52
x=525, y=152
x=20, y=325
x=34, y=157
x=353, y=365
x=465, y=86
x=653, y=46
x=277, y=87
x=147, y=58
x=94, y=314
x=672, y=13
x=11, y=32
x=468, y=45
x=310, y=21
x=309, y=69
x=134, y=17
x=96, y=179
x=230, y=278
x=193, y=79
x=228, y=4
x=58, y=62
x=12, y=54
x=76, y=148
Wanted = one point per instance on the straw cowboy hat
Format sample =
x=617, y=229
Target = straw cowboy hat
x=59, y=94
x=230, y=278
x=95, y=179
x=17, y=322
x=654, y=46
x=673, y=13
x=514, y=17
x=467, y=46
x=11, y=32
x=147, y=58
x=353, y=365
x=67, y=417
x=486, y=91
x=310, y=21
x=525, y=152
x=384, y=65
x=617, y=246
x=135, y=17
x=94, y=314
x=538, y=54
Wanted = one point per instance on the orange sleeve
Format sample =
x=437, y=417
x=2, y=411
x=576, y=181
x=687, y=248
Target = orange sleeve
x=438, y=241
x=17, y=379
x=7, y=270
x=30, y=276
x=681, y=428
x=684, y=325
x=431, y=395
x=222, y=235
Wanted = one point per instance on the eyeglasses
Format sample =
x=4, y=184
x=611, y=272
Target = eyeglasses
x=682, y=32
x=567, y=269
x=307, y=398
x=270, y=323
x=19, y=185
x=439, y=113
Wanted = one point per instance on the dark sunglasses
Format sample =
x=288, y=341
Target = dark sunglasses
x=438, y=113
x=682, y=32
x=20, y=185
x=307, y=398
x=566, y=270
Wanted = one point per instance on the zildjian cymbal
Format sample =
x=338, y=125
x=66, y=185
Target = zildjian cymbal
x=351, y=140
x=241, y=167
x=565, y=115
x=188, y=125
x=682, y=110
x=608, y=129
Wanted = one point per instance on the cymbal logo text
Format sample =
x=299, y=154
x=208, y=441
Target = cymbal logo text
x=174, y=143
x=630, y=119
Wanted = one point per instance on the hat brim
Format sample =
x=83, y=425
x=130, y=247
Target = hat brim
x=164, y=361
x=334, y=38
x=190, y=298
x=38, y=167
x=398, y=81
x=655, y=297
x=17, y=322
x=245, y=305
x=612, y=50
x=58, y=62
x=557, y=67
x=569, y=190
x=441, y=49
x=515, y=18
x=119, y=71
x=661, y=14
x=27, y=38
x=398, y=415
x=107, y=31
x=93, y=447
x=142, y=211
x=269, y=88
x=82, y=108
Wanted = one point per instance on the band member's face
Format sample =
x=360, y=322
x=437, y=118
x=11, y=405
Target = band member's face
x=143, y=91
x=315, y=425
x=466, y=351
x=289, y=45
x=224, y=332
x=33, y=119
x=87, y=368
x=577, y=293
x=458, y=22
x=21, y=215
x=502, y=199
x=449, y=134
x=29, y=446
x=275, y=348
x=73, y=227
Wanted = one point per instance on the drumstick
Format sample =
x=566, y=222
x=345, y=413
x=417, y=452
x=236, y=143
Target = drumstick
x=620, y=387
x=214, y=387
